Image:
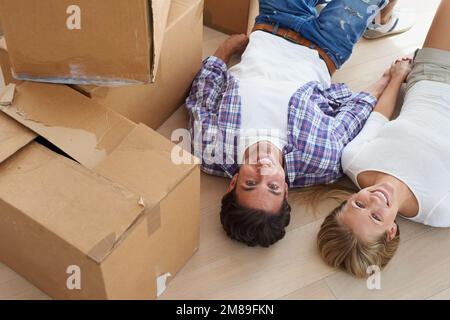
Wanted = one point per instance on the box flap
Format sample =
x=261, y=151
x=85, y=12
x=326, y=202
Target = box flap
x=142, y=163
x=179, y=9
x=85, y=209
x=160, y=9
x=7, y=95
x=77, y=125
x=13, y=137
x=91, y=91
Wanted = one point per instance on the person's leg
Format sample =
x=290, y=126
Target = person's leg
x=432, y=63
x=340, y=26
x=286, y=13
x=386, y=13
x=389, y=22
x=438, y=37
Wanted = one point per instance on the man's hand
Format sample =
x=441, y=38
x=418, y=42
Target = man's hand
x=234, y=45
x=377, y=88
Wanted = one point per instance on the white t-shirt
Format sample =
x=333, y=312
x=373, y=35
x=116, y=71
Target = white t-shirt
x=271, y=70
x=415, y=148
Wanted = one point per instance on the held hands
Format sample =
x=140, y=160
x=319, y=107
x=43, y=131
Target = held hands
x=397, y=74
x=400, y=69
x=393, y=77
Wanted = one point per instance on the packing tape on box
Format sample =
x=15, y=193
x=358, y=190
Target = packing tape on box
x=105, y=247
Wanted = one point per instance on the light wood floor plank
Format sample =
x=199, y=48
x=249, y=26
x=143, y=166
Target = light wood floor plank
x=316, y=291
x=254, y=273
x=443, y=295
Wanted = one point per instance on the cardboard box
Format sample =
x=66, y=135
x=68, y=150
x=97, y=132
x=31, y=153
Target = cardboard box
x=181, y=57
x=101, y=42
x=5, y=64
x=114, y=216
x=231, y=16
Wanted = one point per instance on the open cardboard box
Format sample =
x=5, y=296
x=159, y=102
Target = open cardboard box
x=180, y=60
x=86, y=193
x=105, y=42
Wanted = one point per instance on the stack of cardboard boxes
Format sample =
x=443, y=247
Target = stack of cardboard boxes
x=91, y=204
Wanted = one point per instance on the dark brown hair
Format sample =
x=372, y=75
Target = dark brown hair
x=253, y=226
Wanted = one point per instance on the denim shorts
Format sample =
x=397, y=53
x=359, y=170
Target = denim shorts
x=430, y=64
x=336, y=29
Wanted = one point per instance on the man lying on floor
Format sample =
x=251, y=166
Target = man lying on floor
x=275, y=120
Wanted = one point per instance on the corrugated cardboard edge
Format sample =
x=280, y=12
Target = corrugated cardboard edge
x=22, y=135
x=3, y=45
x=9, y=147
x=7, y=95
x=5, y=63
x=91, y=91
x=160, y=9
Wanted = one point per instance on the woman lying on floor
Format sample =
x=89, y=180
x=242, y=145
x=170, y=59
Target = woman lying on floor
x=402, y=166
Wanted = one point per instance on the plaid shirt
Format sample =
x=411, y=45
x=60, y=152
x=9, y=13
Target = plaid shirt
x=321, y=122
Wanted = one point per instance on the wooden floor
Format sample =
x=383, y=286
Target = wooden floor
x=292, y=268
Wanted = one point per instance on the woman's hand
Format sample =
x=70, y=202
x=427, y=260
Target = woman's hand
x=400, y=69
x=398, y=73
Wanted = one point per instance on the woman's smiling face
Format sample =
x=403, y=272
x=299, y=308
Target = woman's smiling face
x=371, y=212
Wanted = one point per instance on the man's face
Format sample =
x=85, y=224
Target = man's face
x=262, y=185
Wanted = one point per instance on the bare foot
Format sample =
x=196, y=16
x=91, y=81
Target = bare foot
x=234, y=45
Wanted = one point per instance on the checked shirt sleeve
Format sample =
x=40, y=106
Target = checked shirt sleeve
x=352, y=114
x=206, y=90
x=203, y=104
x=322, y=123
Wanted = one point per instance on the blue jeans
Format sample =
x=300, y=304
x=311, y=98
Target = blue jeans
x=336, y=30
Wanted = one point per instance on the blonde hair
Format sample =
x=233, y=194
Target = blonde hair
x=338, y=245
x=314, y=195
x=341, y=248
